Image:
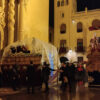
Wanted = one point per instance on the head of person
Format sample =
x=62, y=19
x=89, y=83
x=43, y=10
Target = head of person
x=63, y=64
x=45, y=64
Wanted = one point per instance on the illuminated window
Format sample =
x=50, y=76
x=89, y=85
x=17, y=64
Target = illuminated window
x=63, y=28
x=79, y=27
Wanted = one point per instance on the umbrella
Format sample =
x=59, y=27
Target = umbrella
x=63, y=59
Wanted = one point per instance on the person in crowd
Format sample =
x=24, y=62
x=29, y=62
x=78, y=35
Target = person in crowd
x=63, y=76
x=80, y=72
x=5, y=75
x=10, y=75
x=14, y=77
x=85, y=80
x=30, y=75
x=45, y=75
x=71, y=71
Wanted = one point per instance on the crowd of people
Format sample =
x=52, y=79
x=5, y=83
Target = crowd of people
x=69, y=75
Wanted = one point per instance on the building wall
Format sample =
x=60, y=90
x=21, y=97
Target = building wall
x=36, y=19
x=71, y=18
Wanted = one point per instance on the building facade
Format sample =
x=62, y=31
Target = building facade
x=73, y=30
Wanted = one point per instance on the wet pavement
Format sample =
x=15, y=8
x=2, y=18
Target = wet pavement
x=9, y=91
x=54, y=94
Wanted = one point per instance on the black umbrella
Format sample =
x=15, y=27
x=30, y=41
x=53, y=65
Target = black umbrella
x=63, y=59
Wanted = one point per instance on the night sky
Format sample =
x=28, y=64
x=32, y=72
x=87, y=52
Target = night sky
x=81, y=4
x=90, y=4
x=51, y=13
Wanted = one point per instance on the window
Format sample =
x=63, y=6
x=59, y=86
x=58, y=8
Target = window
x=79, y=42
x=79, y=27
x=80, y=45
x=62, y=15
x=80, y=59
x=62, y=3
x=62, y=48
x=58, y=3
x=63, y=28
x=62, y=43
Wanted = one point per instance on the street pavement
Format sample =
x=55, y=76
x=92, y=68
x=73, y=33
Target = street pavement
x=54, y=93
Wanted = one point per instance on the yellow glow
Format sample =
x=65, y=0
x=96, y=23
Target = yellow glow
x=36, y=19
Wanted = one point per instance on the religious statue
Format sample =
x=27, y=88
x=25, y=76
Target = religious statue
x=94, y=45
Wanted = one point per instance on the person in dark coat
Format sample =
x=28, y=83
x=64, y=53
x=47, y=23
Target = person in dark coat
x=71, y=71
x=30, y=77
x=14, y=74
x=63, y=76
x=45, y=74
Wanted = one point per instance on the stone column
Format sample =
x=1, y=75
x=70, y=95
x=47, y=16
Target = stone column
x=11, y=21
x=21, y=20
x=2, y=25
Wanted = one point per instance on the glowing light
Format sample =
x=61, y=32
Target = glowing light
x=73, y=21
x=70, y=51
x=71, y=55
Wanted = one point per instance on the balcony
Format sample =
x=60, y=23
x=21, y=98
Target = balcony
x=80, y=49
x=63, y=50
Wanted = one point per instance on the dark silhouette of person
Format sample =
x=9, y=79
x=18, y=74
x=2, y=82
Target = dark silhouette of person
x=63, y=76
x=14, y=74
x=71, y=71
x=45, y=75
x=30, y=73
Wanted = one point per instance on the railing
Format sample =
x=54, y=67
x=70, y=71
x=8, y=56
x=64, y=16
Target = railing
x=80, y=49
x=62, y=50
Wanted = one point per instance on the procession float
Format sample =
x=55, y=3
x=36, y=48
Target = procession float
x=21, y=53
x=93, y=65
